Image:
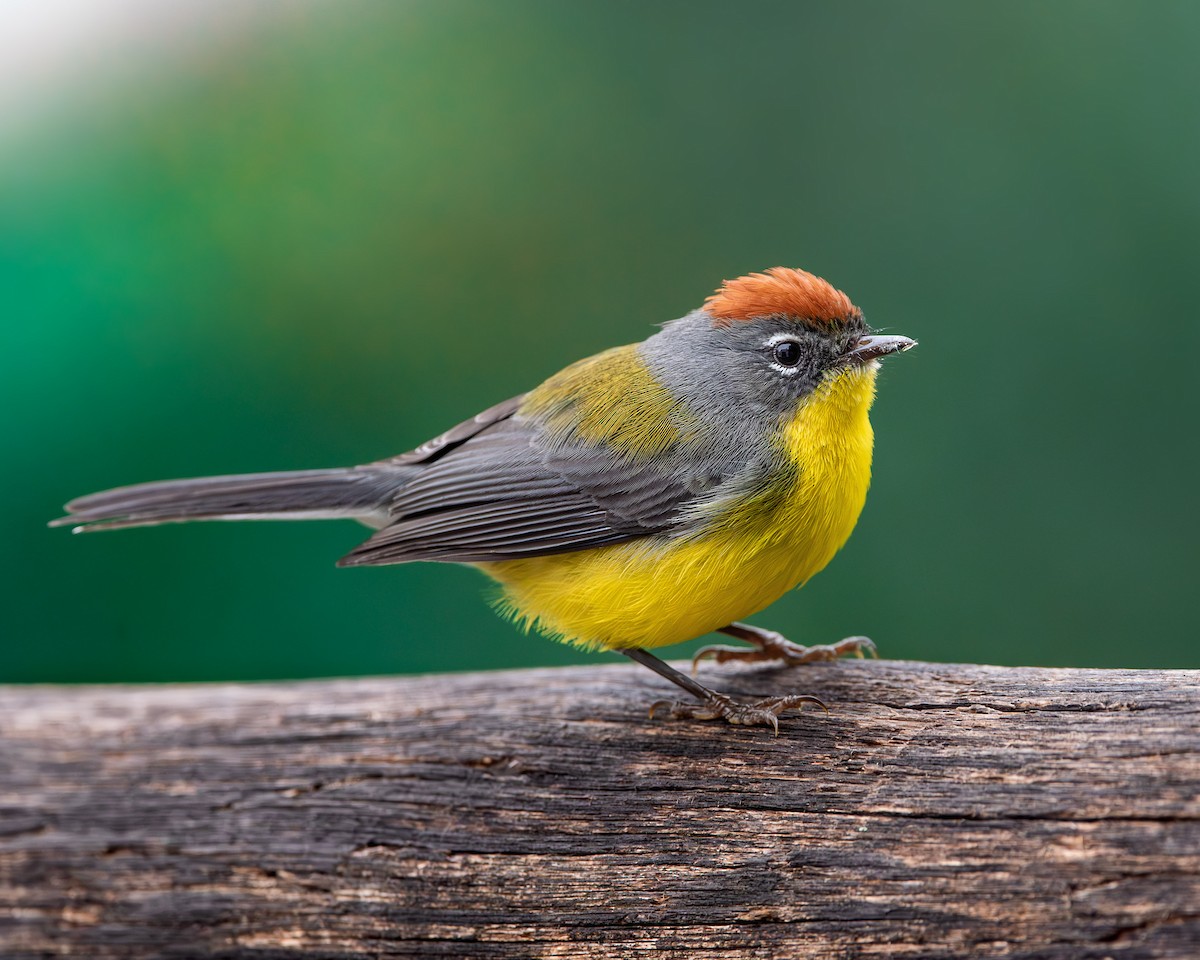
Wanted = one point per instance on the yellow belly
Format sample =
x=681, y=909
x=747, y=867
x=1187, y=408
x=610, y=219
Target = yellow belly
x=657, y=591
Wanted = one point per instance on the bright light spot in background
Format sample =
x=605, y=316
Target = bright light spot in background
x=71, y=53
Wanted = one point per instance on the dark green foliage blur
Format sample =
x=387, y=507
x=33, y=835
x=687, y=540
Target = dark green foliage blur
x=346, y=227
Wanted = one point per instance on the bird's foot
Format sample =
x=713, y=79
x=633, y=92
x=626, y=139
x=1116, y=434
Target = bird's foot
x=769, y=645
x=717, y=706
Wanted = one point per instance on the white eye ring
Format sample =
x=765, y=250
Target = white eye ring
x=774, y=342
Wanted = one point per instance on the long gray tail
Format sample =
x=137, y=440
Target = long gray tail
x=362, y=493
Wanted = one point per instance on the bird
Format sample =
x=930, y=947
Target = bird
x=648, y=495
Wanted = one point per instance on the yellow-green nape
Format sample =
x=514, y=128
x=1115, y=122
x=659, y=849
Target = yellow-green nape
x=612, y=398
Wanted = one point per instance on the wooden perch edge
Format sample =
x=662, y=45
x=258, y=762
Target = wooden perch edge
x=938, y=811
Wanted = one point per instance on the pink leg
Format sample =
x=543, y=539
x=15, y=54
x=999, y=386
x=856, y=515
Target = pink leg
x=769, y=645
x=713, y=705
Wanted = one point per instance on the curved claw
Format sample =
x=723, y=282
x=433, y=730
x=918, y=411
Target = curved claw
x=858, y=645
x=806, y=699
x=720, y=652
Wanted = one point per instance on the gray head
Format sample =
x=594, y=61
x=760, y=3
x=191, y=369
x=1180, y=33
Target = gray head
x=763, y=343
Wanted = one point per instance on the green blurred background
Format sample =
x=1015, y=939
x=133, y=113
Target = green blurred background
x=271, y=236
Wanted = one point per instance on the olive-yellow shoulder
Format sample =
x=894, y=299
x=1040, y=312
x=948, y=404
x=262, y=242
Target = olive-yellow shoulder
x=612, y=399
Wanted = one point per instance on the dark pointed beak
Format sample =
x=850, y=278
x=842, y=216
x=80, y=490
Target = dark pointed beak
x=872, y=348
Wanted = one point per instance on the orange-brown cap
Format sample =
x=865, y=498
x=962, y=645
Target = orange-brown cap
x=780, y=290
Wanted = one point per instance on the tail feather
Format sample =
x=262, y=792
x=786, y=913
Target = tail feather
x=359, y=492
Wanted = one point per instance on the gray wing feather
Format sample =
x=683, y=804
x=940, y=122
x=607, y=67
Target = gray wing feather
x=492, y=488
x=500, y=494
x=440, y=445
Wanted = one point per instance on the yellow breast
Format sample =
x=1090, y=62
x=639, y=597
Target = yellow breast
x=662, y=590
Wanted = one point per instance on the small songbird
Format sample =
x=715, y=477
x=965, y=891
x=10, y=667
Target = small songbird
x=642, y=497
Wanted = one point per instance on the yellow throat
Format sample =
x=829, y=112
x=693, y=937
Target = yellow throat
x=749, y=551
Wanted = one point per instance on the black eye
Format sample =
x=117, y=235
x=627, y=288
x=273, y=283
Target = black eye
x=786, y=353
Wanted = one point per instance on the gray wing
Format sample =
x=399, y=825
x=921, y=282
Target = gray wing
x=457, y=435
x=496, y=491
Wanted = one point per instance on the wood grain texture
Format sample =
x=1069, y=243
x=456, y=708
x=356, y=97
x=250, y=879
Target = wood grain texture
x=937, y=811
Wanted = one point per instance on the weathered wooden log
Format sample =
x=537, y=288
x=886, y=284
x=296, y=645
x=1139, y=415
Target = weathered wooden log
x=937, y=811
